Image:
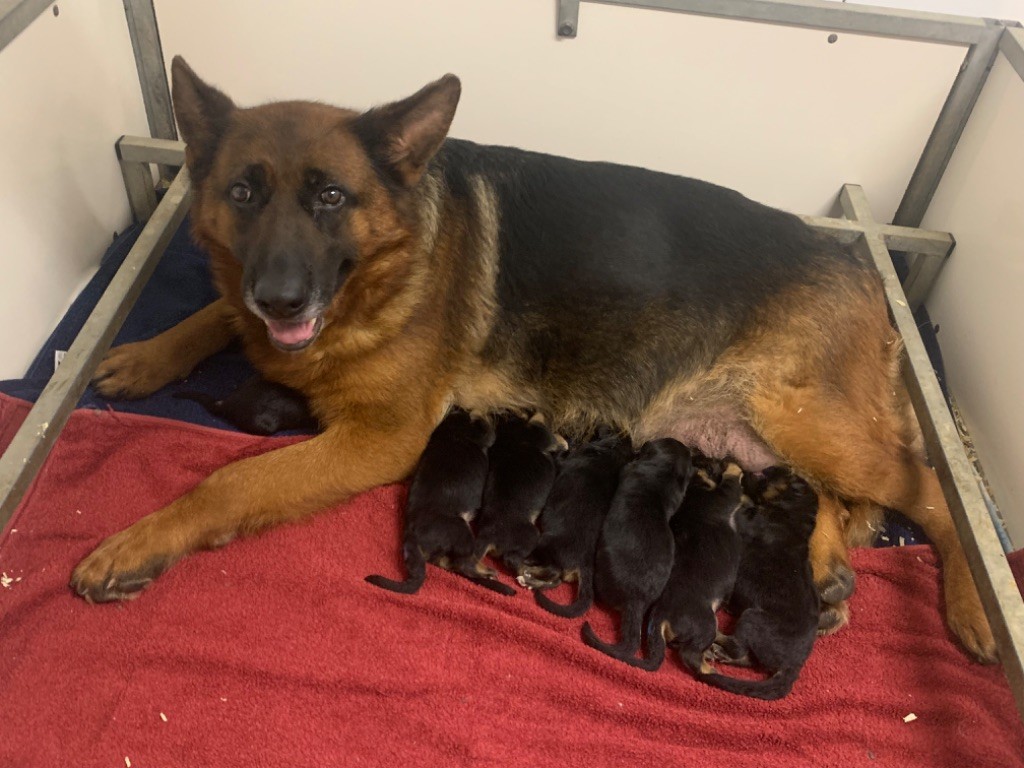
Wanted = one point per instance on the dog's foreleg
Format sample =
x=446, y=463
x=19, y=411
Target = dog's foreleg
x=246, y=497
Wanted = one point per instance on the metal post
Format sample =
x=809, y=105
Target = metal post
x=568, y=18
x=948, y=128
x=33, y=441
x=16, y=15
x=999, y=595
x=149, y=60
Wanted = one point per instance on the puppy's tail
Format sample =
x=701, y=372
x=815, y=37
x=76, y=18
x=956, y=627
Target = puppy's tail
x=775, y=687
x=417, y=567
x=625, y=651
x=583, y=601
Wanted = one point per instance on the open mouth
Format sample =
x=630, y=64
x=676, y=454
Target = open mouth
x=292, y=336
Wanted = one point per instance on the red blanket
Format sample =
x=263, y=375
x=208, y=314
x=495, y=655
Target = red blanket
x=273, y=651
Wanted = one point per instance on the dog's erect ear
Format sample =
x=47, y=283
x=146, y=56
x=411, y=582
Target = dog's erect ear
x=203, y=113
x=403, y=136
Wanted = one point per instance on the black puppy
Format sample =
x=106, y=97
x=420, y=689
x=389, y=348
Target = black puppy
x=636, y=548
x=774, y=595
x=708, y=548
x=259, y=407
x=519, y=478
x=571, y=521
x=445, y=492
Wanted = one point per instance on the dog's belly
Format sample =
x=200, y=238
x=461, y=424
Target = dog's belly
x=719, y=432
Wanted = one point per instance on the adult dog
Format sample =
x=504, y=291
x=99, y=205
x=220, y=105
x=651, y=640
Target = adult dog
x=387, y=273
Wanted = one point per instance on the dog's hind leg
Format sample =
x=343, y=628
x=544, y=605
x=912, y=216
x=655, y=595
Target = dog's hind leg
x=859, y=455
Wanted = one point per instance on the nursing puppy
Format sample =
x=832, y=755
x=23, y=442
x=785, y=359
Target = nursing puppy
x=445, y=491
x=571, y=522
x=636, y=548
x=708, y=548
x=259, y=407
x=774, y=595
x=521, y=471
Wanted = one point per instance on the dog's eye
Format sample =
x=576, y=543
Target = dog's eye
x=332, y=197
x=240, y=193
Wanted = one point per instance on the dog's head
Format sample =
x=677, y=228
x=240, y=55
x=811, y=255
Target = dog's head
x=304, y=196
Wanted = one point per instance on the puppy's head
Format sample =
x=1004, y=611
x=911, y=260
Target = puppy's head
x=294, y=199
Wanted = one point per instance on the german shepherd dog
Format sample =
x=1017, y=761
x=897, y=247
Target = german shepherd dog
x=387, y=273
x=774, y=595
x=636, y=549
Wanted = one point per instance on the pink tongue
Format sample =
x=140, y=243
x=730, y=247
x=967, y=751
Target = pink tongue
x=291, y=333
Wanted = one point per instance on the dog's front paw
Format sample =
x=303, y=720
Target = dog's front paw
x=121, y=567
x=135, y=370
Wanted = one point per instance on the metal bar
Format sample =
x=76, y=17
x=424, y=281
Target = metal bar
x=999, y=594
x=817, y=14
x=922, y=241
x=138, y=185
x=949, y=126
x=141, y=149
x=568, y=18
x=924, y=270
x=149, y=60
x=16, y=15
x=1012, y=46
x=33, y=441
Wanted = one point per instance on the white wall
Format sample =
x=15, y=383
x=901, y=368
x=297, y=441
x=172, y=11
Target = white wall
x=977, y=298
x=775, y=112
x=68, y=89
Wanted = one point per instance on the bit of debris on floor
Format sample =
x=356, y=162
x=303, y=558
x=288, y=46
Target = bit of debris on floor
x=910, y=718
x=163, y=717
x=6, y=581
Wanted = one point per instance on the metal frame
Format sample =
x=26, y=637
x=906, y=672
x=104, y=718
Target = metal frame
x=984, y=38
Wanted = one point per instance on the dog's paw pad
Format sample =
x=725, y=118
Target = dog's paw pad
x=838, y=584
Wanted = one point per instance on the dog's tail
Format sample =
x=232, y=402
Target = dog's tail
x=775, y=687
x=584, y=598
x=417, y=567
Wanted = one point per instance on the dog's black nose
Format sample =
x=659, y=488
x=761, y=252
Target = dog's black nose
x=281, y=299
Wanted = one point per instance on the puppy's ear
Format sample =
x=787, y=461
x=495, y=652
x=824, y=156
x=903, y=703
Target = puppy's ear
x=203, y=114
x=403, y=136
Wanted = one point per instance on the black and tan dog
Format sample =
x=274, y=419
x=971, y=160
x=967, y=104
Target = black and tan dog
x=708, y=550
x=774, y=595
x=445, y=493
x=519, y=477
x=386, y=272
x=571, y=521
x=259, y=407
x=635, y=552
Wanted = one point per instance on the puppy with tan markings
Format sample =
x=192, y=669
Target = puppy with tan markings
x=636, y=548
x=571, y=521
x=445, y=493
x=519, y=478
x=774, y=593
x=708, y=548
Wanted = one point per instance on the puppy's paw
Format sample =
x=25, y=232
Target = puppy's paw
x=136, y=370
x=732, y=471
